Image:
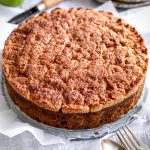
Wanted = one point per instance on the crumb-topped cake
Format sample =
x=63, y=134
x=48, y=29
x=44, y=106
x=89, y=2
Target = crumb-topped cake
x=75, y=68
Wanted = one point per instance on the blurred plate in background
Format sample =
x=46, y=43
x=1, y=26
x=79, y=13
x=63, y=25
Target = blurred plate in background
x=128, y=3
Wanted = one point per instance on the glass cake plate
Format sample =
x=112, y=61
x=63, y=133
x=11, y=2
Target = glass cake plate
x=84, y=134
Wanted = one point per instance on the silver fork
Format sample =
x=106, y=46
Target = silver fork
x=129, y=139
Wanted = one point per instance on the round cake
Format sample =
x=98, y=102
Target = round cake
x=76, y=68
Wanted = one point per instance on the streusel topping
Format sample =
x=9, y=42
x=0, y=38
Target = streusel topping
x=75, y=60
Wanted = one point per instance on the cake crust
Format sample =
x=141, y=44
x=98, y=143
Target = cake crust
x=77, y=120
x=60, y=63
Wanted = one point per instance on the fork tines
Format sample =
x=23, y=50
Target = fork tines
x=129, y=139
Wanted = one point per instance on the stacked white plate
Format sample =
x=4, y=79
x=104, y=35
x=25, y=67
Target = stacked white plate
x=128, y=3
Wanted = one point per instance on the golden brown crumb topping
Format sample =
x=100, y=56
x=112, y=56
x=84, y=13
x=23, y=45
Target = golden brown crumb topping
x=77, y=60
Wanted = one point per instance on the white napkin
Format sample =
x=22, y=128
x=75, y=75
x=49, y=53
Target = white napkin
x=139, y=19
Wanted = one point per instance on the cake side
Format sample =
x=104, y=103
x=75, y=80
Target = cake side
x=61, y=63
x=74, y=121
